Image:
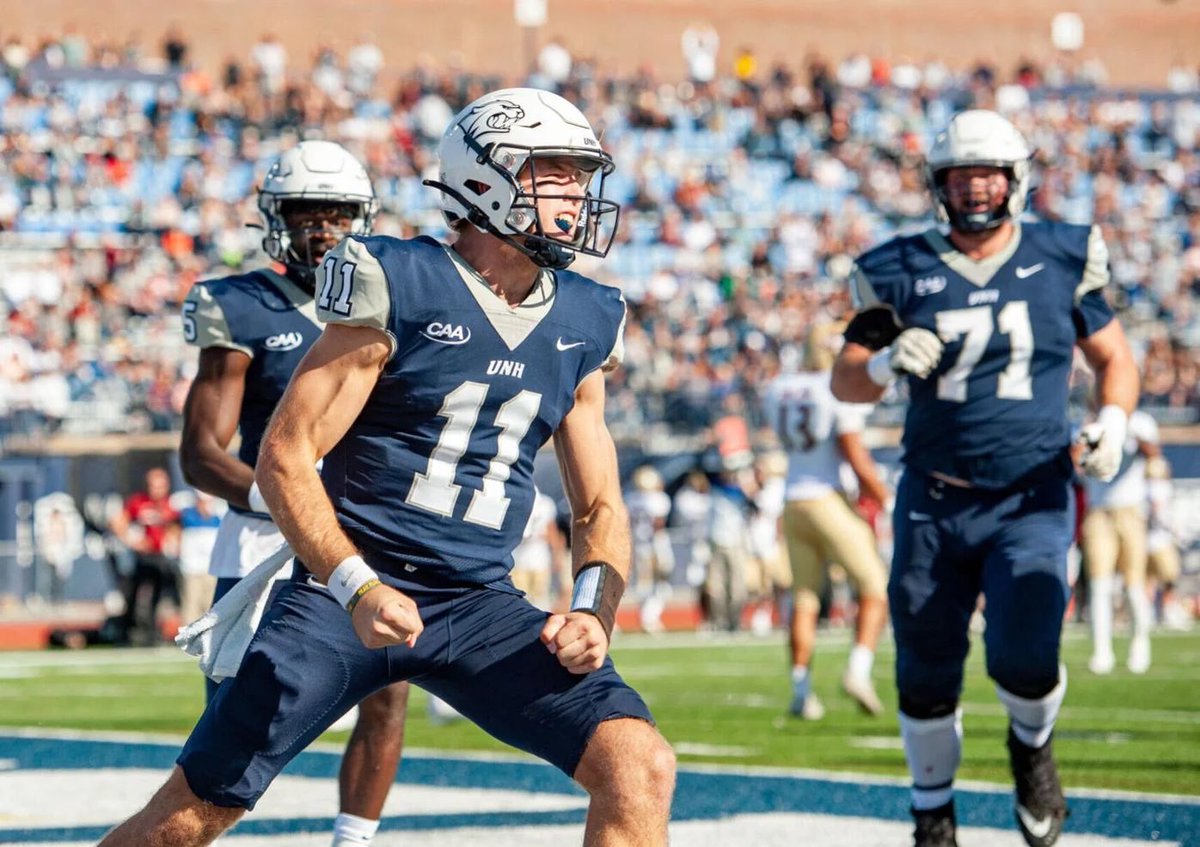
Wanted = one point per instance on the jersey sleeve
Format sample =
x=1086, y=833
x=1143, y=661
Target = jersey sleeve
x=862, y=293
x=204, y=322
x=617, y=354
x=353, y=289
x=1092, y=311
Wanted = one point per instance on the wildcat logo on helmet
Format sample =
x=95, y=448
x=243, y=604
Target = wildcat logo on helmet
x=447, y=333
x=496, y=116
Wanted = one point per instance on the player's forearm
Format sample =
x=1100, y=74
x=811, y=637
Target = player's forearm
x=865, y=470
x=1117, y=383
x=871, y=486
x=210, y=469
x=601, y=533
x=292, y=488
x=851, y=382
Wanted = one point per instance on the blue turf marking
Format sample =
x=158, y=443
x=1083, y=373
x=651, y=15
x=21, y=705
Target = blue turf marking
x=699, y=795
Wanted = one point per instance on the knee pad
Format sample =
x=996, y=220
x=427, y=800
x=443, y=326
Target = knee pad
x=924, y=711
x=1033, y=717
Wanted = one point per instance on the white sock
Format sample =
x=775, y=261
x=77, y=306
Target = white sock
x=353, y=831
x=862, y=659
x=933, y=749
x=1101, y=609
x=1033, y=720
x=1139, y=610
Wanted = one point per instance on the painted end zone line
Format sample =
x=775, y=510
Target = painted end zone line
x=702, y=794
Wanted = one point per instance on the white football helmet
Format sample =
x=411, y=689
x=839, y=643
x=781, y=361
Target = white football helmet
x=484, y=150
x=979, y=137
x=313, y=173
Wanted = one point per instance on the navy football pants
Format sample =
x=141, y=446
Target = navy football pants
x=952, y=543
x=480, y=652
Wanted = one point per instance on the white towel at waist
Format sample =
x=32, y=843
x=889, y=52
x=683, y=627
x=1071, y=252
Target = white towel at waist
x=221, y=635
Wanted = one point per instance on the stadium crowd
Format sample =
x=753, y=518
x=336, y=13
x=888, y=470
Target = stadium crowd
x=126, y=174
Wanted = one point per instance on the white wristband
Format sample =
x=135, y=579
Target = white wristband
x=879, y=368
x=1114, y=421
x=348, y=577
x=257, y=502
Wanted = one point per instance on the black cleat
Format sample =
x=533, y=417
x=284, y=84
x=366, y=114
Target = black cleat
x=1041, y=807
x=935, y=827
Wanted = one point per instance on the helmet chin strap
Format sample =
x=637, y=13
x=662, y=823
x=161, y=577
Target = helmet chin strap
x=544, y=252
x=304, y=276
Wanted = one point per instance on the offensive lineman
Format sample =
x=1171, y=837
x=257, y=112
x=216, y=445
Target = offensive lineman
x=981, y=323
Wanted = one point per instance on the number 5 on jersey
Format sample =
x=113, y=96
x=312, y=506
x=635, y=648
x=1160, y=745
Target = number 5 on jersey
x=339, y=301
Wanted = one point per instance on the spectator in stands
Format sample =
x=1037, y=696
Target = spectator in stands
x=198, y=534
x=700, y=43
x=149, y=526
x=762, y=188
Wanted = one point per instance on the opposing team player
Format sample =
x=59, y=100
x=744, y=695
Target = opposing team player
x=252, y=331
x=440, y=373
x=821, y=528
x=981, y=324
x=1113, y=540
x=1162, y=545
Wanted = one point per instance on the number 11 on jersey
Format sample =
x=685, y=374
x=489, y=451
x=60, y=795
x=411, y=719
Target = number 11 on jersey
x=435, y=490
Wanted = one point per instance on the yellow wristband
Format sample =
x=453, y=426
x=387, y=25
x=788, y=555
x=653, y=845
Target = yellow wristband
x=362, y=589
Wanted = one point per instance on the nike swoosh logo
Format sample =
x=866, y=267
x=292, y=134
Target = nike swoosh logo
x=1037, y=828
x=1029, y=271
x=919, y=516
x=562, y=345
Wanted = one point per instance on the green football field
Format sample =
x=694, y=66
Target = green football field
x=719, y=701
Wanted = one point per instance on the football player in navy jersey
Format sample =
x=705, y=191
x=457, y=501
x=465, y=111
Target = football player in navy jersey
x=982, y=323
x=252, y=330
x=440, y=373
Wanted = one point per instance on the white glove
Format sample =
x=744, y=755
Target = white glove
x=1104, y=440
x=915, y=351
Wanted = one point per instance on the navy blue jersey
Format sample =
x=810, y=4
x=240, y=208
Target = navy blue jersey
x=994, y=411
x=437, y=471
x=267, y=317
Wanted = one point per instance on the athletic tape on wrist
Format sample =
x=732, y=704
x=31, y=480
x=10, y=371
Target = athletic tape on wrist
x=879, y=368
x=351, y=580
x=257, y=502
x=598, y=590
x=1115, y=422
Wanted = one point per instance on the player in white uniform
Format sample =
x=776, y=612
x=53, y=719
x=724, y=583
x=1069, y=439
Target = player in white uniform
x=1162, y=543
x=539, y=559
x=1113, y=539
x=819, y=434
x=653, y=559
x=770, y=575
